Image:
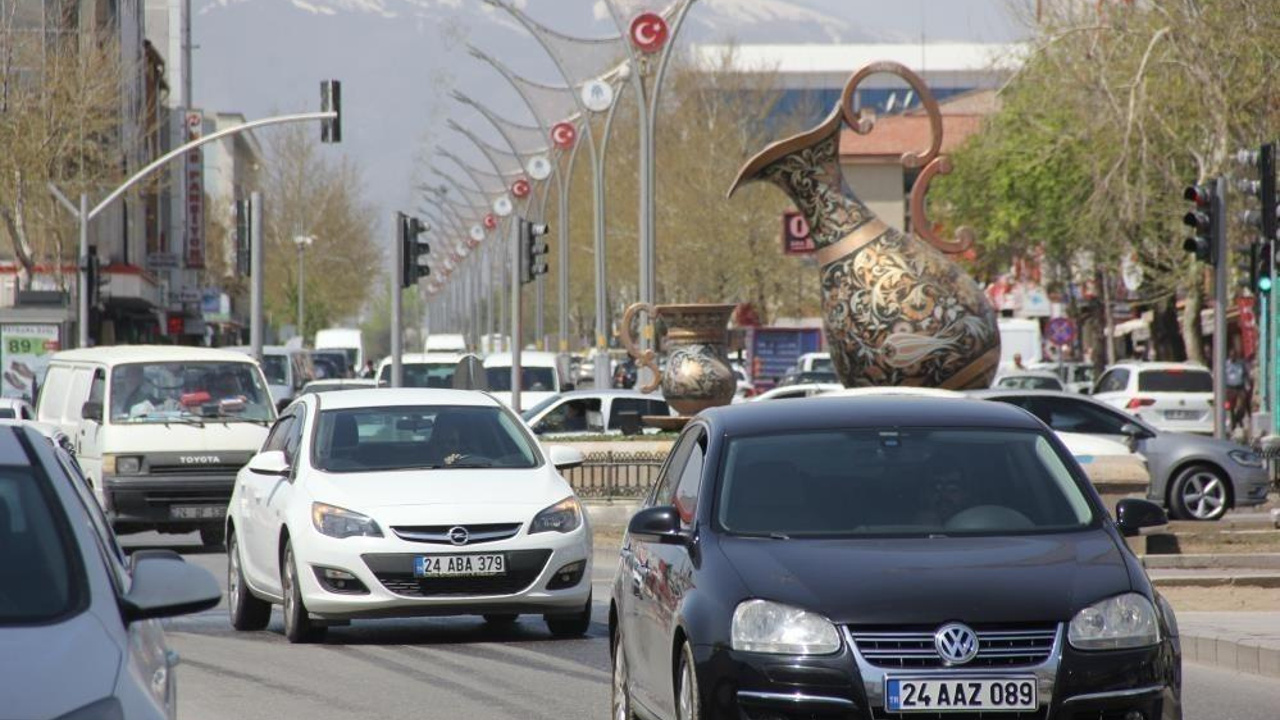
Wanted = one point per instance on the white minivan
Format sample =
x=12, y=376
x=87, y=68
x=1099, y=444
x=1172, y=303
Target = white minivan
x=160, y=431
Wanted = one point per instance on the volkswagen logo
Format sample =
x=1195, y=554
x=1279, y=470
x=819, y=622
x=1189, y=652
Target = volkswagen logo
x=459, y=535
x=956, y=643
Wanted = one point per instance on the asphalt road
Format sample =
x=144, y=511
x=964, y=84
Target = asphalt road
x=459, y=668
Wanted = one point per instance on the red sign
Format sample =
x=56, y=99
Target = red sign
x=1248, y=327
x=796, y=238
x=174, y=325
x=193, y=249
x=649, y=32
x=490, y=221
x=520, y=188
x=564, y=135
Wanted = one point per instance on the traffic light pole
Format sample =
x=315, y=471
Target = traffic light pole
x=1221, y=277
x=516, y=315
x=397, y=275
x=257, y=284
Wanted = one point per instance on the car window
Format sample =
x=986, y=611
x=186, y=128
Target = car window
x=293, y=439
x=107, y=541
x=909, y=482
x=686, y=495
x=1175, y=380
x=577, y=415
x=1115, y=380
x=665, y=490
x=1029, y=382
x=639, y=406
x=44, y=577
x=533, y=379
x=279, y=433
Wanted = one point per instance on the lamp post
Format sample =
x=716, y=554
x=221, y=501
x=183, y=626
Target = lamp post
x=303, y=242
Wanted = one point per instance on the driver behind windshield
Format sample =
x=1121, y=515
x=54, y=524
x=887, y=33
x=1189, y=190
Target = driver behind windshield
x=133, y=395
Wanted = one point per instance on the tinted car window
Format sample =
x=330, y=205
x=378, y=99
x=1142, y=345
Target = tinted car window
x=533, y=379
x=1114, y=381
x=913, y=482
x=7, y=413
x=1191, y=381
x=1030, y=382
x=43, y=576
x=578, y=415
x=636, y=405
x=421, y=375
x=686, y=496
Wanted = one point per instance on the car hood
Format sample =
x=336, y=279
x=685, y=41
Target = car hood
x=54, y=669
x=932, y=580
x=215, y=436
x=446, y=488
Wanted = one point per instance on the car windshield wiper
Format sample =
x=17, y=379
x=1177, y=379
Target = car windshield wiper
x=166, y=419
x=467, y=465
x=240, y=418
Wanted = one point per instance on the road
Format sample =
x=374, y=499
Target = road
x=459, y=668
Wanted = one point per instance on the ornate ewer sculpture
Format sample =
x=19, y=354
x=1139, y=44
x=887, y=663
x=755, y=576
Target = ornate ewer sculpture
x=895, y=309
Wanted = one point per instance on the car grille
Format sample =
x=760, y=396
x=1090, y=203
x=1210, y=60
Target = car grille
x=439, y=534
x=395, y=572
x=169, y=496
x=1004, y=647
x=189, y=470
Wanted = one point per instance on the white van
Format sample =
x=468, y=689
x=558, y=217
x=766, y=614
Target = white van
x=287, y=369
x=421, y=370
x=445, y=343
x=160, y=431
x=539, y=377
x=348, y=340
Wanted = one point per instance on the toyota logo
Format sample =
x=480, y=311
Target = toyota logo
x=459, y=535
x=956, y=643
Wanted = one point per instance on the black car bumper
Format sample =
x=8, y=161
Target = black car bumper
x=1073, y=686
x=135, y=502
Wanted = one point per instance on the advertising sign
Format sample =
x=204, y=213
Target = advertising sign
x=796, y=238
x=193, y=247
x=24, y=353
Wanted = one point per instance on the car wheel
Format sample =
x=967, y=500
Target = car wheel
x=621, y=700
x=298, y=627
x=212, y=536
x=247, y=612
x=687, y=702
x=1199, y=492
x=500, y=619
x=568, y=626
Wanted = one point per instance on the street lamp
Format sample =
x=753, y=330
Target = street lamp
x=303, y=242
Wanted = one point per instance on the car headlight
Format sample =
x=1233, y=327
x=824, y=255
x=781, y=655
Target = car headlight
x=121, y=464
x=1123, y=621
x=769, y=627
x=1247, y=458
x=565, y=516
x=342, y=523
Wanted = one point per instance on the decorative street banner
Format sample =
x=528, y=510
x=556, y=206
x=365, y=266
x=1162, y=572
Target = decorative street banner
x=193, y=249
x=24, y=353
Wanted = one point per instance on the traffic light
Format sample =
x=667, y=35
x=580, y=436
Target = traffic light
x=413, y=250
x=1265, y=217
x=331, y=101
x=533, y=259
x=1204, y=243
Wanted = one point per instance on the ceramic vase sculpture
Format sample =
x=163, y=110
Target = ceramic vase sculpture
x=698, y=375
x=895, y=309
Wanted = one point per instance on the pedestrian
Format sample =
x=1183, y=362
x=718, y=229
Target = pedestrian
x=366, y=372
x=1239, y=390
x=1017, y=362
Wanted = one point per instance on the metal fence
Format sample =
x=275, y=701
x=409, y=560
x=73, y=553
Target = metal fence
x=616, y=474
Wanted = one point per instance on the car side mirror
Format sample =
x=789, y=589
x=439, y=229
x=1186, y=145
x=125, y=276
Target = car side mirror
x=91, y=410
x=271, y=462
x=1134, y=432
x=164, y=586
x=566, y=458
x=1133, y=514
x=657, y=524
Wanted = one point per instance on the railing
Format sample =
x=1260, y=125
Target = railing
x=623, y=475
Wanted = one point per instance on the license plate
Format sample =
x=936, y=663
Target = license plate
x=1182, y=414
x=429, y=566
x=942, y=695
x=198, y=512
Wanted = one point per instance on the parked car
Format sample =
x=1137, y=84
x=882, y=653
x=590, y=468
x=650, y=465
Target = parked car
x=78, y=620
x=161, y=430
x=1076, y=377
x=16, y=409
x=1027, y=380
x=865, y=557
x=815, y=362
x=286, y=369
x=591, y=412
x=1195, y=477
x=803, y=390
x=406, y=502
x=540, y=377
x=1168, y=396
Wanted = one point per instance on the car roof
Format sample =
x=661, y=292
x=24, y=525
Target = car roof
x=266, y=349
x=1147, y=365
x=119, y=354
x=528, y=358
x=392, y=397
x=1033, y=372
x=871, y=411
x=612, y=392
x=421, y=358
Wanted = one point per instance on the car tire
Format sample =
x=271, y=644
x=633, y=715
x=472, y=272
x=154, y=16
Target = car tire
x=213, y=536
x=1199, y=492
x=247, y=611
x=570, y=626
x=298, y=627
x=620, y=706
x=688, y=702
x=500, y=619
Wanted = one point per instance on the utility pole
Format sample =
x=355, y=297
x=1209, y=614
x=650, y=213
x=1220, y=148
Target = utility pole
x=1221, y=278
x=516, y=321
x=257, y=285
x=397, y=277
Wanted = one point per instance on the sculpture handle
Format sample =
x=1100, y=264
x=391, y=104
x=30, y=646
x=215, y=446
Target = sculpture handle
x=647, y=358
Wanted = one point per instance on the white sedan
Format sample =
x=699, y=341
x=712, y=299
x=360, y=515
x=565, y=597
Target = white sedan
x=406, y=502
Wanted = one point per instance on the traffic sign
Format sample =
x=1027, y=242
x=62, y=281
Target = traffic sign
x=1062, y=331
x=564, y=135
x=649, y=32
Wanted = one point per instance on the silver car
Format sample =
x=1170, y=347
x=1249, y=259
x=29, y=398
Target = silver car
x=1195, y=477
x=79, y=634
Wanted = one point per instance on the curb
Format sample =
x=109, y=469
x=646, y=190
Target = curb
x=1238, y=654
x=1253, y=561
x=1211, y=581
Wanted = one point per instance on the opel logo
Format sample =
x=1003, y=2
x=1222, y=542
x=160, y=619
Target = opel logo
x=956, y=643
x=459, y=535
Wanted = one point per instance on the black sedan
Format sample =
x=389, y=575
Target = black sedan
x=883, y=556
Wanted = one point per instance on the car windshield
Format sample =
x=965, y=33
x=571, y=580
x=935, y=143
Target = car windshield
x=1030, y=382
x=909, y=482
x=1188, y=381
x=421, y=375
x=533, y=379
x=418, y=437
x=186, y=391
x=43, y=579
x=822, y=364
x=275, y=367
x=532, y=412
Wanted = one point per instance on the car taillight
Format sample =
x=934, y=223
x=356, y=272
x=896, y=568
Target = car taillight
x=1138, y=402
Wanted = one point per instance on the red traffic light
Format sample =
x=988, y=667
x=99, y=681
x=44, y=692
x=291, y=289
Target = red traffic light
x=1198, y=194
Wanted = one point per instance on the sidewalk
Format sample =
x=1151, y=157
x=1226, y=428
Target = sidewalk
x=1241, y=641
